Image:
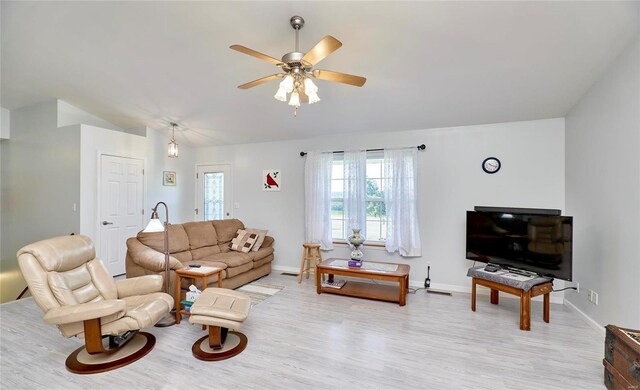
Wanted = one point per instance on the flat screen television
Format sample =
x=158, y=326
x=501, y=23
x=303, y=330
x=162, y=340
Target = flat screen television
x=533, y=240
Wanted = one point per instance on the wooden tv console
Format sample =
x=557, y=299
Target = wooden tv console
x=525, y=298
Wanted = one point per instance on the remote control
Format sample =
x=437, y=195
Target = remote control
x=491, y=267
x=194, y=265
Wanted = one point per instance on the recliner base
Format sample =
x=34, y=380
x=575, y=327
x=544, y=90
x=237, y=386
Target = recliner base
x=81, y=362
x=219, y=344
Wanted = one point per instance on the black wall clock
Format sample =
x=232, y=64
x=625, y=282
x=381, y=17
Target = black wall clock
x=491, y=165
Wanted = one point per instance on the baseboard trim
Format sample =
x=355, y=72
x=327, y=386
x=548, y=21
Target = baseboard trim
x=285, y=269
x=599, y=328
x=442, y=287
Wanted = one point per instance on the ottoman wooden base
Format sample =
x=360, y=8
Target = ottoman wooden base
x=220, y=344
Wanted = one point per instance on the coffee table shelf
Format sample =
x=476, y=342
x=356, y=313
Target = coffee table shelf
x=352, y=288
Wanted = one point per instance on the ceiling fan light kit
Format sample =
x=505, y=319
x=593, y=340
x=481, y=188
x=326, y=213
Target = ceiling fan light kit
x=297, y=68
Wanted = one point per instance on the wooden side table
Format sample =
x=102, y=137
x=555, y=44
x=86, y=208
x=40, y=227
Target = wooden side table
x=201, y=273
x=525, y=298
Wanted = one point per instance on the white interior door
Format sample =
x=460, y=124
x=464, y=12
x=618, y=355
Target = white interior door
x=121, y=208
x=213, y=192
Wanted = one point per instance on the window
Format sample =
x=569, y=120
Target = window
x=376, y=218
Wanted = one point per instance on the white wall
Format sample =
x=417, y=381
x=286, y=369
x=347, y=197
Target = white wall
x=5, y=123
x=40, y=184
x=603, y=192
x=179, y=198
x=451, y=181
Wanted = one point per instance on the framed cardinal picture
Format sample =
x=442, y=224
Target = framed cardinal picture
x=271, y=180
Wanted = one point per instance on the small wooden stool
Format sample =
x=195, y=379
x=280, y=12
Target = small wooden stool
x=311, y=257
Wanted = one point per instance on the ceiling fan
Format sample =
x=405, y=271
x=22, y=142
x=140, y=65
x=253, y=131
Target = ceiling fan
x=298, y=69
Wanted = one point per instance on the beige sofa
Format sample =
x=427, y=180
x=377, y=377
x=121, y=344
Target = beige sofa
x=205, y=243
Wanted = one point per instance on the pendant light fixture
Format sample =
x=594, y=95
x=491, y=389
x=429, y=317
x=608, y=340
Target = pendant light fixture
x=173, y=145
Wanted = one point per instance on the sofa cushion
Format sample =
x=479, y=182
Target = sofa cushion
x=226, y=229
x=243, y=241
x=234, y=271
x=231, y=259
x=204, y=252
x=261, y=253
x=259, y=263
x=200, y=234
x=178, y=239
x=183, y=257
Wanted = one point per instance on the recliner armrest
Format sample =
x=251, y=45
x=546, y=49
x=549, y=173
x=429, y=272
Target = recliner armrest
x=84, y=311
x=140, y=285
x=149, y=258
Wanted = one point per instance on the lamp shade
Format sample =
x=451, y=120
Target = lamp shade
x=313, y=97
x=173, y=149
x=295, y=99
x=281, y=95
x=154, y=226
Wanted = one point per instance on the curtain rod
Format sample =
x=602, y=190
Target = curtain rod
x=420, y=147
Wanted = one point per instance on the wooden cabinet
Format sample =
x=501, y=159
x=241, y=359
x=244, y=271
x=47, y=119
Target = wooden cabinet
x=621, y=358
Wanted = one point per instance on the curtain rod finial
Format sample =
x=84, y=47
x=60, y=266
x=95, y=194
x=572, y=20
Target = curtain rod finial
x=302, y=154
x=422, y=147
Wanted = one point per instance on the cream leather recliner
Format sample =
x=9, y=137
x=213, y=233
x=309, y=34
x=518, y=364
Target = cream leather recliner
x=77, y=293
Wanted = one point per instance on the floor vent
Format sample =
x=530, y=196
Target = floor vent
x=432, y=291
x=289, y=274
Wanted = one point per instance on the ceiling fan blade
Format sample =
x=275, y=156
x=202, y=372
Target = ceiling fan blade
x=339, y=77
x=263, y=80
x=256, y=54
x=321, y=50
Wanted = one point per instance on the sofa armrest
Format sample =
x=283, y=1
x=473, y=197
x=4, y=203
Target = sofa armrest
x=149, y=258
x=85, y=311
x=268, y=242
x=140, y=285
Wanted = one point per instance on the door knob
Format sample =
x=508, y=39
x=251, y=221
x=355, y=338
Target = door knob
x=107, y=223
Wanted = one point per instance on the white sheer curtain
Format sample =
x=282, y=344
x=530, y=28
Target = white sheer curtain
x=355, y=191
x=317, y=197
x=400, y=198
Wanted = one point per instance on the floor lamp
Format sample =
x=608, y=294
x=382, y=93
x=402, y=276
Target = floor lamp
x=156, y=226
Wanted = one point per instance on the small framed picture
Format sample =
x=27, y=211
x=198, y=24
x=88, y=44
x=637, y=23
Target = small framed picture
x=271, y=180
x=168, y=178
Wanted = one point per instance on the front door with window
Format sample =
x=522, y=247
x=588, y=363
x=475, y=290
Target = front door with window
x=213, y=192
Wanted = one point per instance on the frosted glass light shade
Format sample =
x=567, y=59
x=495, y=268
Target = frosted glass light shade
x=309, y=87
x=287, y=84
x=154, y=226
x=313, y=97
x=281, y=95
x=295, y=99
x=173, y=149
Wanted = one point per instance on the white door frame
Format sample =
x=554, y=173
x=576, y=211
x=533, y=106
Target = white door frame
x=195, y=192
x=97, y=222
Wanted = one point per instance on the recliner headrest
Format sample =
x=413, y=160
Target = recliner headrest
x=61, y=253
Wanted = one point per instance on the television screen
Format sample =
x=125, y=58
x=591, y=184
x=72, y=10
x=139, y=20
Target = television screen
x=540, y=243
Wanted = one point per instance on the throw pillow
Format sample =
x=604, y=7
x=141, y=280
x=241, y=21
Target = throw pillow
x=261, y=235
x=243, y=241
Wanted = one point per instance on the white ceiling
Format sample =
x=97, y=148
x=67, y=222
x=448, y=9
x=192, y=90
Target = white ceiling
x=428, y=64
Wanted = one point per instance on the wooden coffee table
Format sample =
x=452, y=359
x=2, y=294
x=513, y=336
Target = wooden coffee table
x=358, y=289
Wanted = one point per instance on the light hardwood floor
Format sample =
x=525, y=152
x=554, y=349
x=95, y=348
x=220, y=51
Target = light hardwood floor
x=301, y=340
